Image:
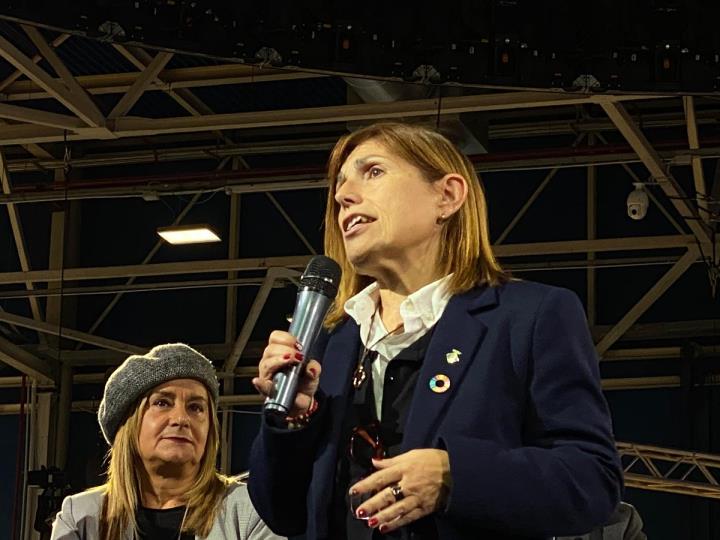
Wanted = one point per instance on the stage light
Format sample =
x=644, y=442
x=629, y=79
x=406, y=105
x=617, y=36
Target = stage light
x=188, y=234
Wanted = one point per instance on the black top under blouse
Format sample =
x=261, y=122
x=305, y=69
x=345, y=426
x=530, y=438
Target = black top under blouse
x=401, y=378
x=154, y=524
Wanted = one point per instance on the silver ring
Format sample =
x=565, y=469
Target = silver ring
x=397, y=492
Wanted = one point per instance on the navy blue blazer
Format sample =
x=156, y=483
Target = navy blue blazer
x=524, y=422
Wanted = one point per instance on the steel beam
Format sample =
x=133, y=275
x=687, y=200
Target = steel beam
x=252, y=317
x=657, y=290
x=231, y=294
x=233, y=253
x=182, y=96
x=165, y=154
x=64, y=408
x=25, y=362
x=69, y=333
x=701, y=192
x=290, y=222
x=519, y=268
x=141, y=84
x=626, y=125
x=224, y=266
x=133, y=127
x=69, y=93
x=57, y=260
x=168, y=80
x=15, y=75
x=525, y=207
x=155, y=269
x=17, y=232
x=41, y=118
x=144, y=127
x=180, y=285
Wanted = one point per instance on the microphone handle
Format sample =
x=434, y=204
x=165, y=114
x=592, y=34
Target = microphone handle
x=310, y=310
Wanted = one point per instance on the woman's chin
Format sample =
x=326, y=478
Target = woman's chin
x=361, y=259
x=177, y=458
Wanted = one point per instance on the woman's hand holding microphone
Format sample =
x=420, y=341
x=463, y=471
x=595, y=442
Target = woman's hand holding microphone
x=283, y=351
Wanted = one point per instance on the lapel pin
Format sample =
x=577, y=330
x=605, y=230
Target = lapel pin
x=453, y=357
x=440, y=383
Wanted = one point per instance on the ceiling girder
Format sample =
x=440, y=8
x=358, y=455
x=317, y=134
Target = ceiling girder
x=19, y=239
x=69, y=333
x=224, y=266
x=25, y=362
x=145, y=127
x=141, y=84
x=15, y=75
x=659, y=171
x=648, y=299
x=66, y=90
x=701, y=192
x=168, y=80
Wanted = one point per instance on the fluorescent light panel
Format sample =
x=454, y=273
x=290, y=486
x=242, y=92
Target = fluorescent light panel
x=188, y=234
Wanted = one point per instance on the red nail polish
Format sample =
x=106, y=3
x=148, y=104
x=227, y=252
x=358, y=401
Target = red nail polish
x=313, y=372
x=299, y=356
x=383, y=529
x=372, y=522
x=287, y=356
x=361, y=513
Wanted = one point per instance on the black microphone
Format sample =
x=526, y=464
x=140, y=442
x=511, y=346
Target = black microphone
x=317, y=290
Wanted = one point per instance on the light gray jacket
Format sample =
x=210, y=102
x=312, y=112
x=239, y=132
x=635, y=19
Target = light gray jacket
x=79, y=518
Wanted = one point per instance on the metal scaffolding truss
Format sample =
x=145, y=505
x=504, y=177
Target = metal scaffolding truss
x=673, y=471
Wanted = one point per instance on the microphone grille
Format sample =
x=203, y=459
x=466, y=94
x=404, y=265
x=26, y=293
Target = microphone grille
x=322, y=274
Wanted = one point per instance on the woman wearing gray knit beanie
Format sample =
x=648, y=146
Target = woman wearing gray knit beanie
x=159, y=415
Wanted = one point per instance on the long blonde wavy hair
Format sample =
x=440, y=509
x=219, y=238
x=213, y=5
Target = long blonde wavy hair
x=125, y=474
x=465, y=234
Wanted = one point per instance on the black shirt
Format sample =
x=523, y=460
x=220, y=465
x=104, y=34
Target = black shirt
x=401, y=378
x=165, y=524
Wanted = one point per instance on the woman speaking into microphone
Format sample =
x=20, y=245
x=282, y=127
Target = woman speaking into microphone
x=448, y=400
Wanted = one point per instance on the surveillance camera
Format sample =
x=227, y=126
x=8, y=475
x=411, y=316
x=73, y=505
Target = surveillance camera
x=637, y=202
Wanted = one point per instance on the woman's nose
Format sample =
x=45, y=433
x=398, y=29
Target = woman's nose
x=347, y=194
x=180, y=417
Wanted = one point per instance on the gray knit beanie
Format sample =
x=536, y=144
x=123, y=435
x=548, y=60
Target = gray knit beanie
x=140, y=373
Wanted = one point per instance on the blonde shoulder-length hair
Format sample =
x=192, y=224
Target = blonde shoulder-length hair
x=465, y=235
x=125, y=473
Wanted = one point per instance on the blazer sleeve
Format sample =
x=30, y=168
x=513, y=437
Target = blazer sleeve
x=281, y=465
x=566, y=478
x=64, y=526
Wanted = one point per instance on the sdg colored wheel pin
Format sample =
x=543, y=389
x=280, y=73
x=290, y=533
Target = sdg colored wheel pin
x=440, y=383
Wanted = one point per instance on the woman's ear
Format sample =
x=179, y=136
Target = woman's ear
x=453, y=190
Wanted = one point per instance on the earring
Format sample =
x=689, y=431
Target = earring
x=440, y=220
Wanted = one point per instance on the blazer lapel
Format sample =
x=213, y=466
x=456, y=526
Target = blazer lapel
x=338, y=361
x=340, y=357
x=452, y=349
